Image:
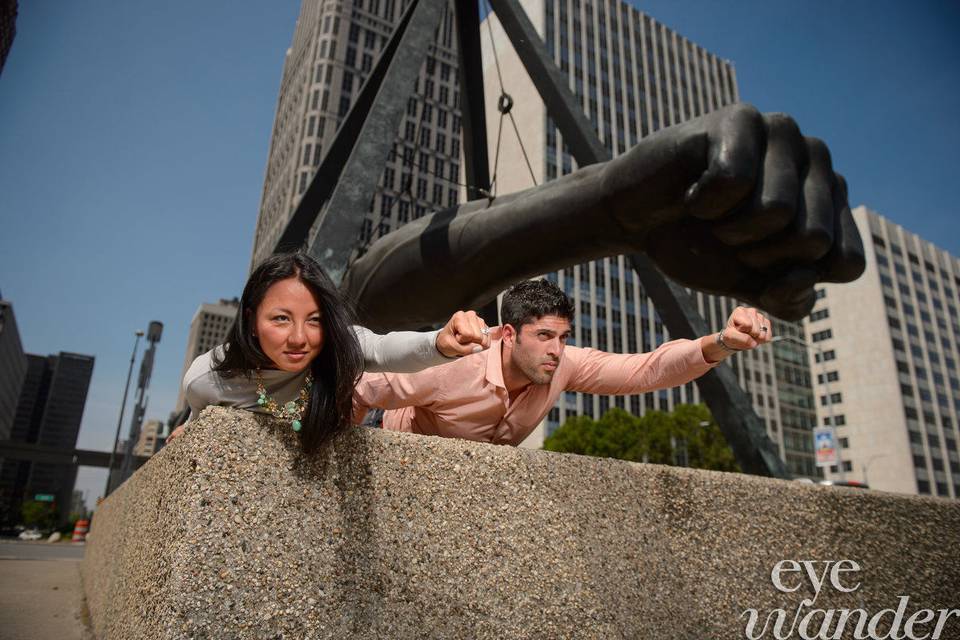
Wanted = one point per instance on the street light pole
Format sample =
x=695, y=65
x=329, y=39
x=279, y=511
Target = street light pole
x=826, y=385
x=154, y=331
x=123, y=406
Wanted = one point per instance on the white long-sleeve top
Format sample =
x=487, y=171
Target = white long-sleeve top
x=399, y=351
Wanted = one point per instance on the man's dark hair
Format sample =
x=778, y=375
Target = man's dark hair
x=527, y=301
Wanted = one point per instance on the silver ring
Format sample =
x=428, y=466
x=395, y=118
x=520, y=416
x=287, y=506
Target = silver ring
x=485, y=330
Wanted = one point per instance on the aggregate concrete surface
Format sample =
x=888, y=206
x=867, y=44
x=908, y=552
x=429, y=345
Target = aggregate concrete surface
x=231, y=532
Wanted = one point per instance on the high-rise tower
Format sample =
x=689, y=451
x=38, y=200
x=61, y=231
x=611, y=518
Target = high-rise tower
x=633, y=76
x=889, y=345
x=49, y=412
x=334, y=49
x=13, y=368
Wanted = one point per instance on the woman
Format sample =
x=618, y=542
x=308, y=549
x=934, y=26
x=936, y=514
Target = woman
x=292, y=352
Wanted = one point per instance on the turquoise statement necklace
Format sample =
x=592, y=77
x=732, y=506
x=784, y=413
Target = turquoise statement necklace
x=292, y=410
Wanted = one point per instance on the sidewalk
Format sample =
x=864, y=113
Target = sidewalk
x=40, y=600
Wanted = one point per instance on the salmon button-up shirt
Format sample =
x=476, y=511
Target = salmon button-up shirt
x=468, y=399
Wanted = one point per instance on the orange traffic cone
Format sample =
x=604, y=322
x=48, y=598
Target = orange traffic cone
x=80, y=530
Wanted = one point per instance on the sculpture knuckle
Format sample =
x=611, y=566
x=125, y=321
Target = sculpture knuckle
x=818, y=150
x=746, y=112
x=818, y=239
x=778, y=205
x=732, y=170
x=841, y=185
x=783, y=125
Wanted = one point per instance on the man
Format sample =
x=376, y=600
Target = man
x=502, y=394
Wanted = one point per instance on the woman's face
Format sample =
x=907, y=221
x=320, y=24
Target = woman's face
x=289, y=326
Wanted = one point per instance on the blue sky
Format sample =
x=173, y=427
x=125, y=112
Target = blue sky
x=134, y=135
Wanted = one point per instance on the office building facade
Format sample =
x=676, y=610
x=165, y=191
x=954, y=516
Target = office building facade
x=633, y=76
x=8, y=28
x=208, y=328
x=49, y=412
x=335, y=46
x=149, y=440
x=13, y=368
x=886, y=354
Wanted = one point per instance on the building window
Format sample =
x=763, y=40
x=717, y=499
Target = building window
x=835, y=398
x=819, y=315
x=829, y=354
x=822, y=335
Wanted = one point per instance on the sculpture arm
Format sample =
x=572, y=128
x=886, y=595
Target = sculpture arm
x=464, y=257
x=734, y=202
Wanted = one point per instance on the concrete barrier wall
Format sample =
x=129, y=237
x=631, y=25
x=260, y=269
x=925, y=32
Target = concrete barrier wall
x=231, y=532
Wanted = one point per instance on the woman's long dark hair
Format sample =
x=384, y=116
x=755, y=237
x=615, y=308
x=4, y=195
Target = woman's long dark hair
x=337, y=367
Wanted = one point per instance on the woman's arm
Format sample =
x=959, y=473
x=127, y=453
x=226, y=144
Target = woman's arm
x=399, y=351
x=411, y=351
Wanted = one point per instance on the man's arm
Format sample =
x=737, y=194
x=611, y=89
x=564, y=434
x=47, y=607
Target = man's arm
x=734, y=202
x=671, y=364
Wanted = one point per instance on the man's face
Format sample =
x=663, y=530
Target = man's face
x=538, y=346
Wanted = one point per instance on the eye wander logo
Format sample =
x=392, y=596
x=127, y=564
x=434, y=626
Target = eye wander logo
x=809, y=623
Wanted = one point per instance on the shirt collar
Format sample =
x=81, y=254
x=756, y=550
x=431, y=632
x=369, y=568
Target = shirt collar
x=495, y=364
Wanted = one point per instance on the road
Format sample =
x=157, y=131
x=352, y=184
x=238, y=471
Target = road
x=20, y=550
x=40, y=592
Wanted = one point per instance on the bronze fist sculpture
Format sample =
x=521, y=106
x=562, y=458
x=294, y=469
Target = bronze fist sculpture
x=735, y=203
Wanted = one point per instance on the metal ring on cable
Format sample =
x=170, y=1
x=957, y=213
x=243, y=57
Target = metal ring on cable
x=504, y=103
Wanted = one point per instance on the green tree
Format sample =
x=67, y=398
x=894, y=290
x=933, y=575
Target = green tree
x=42, y=515
x=657, y=437
x=705, y=445
x=615, y=435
